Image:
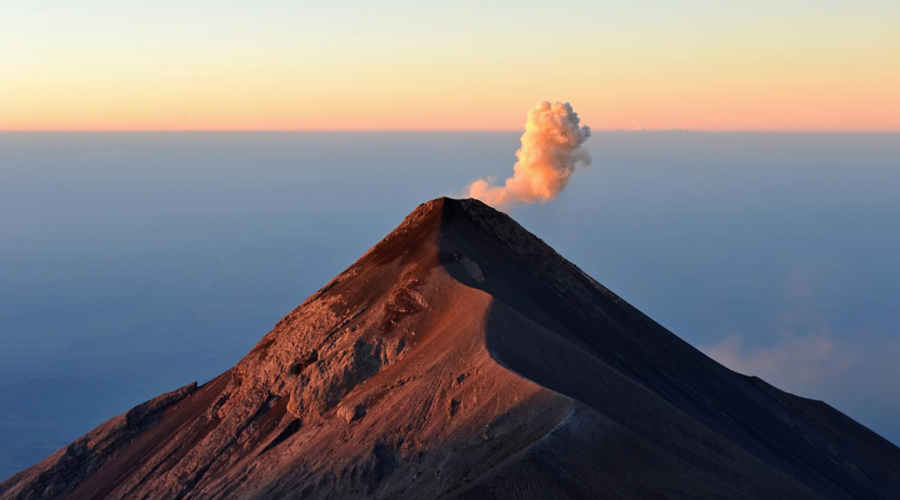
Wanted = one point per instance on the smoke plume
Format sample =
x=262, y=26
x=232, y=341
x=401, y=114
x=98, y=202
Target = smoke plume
x=551, y=148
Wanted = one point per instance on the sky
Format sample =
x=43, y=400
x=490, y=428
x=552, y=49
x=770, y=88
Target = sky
x=402, y=65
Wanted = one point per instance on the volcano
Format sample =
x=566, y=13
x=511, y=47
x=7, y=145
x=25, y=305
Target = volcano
x=462, y=357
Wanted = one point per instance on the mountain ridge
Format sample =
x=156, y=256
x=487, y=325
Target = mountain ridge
x=461, y=356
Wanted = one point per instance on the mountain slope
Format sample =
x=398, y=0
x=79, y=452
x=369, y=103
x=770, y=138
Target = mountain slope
x=463, y=357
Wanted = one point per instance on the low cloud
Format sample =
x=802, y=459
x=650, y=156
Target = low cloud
x=796, y=363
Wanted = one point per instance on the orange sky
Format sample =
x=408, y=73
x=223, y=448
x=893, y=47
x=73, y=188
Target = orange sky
x=462, y=66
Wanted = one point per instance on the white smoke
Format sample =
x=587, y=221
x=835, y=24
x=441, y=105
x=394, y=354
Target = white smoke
x=551, y=149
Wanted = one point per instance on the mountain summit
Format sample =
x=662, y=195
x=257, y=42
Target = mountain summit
x=462, y=357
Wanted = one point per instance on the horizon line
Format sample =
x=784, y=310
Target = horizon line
x=401, y=130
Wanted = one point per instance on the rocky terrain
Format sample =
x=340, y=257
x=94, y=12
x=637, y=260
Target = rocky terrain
x=461, y=357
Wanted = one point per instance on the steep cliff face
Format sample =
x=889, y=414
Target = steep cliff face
x=462, y=357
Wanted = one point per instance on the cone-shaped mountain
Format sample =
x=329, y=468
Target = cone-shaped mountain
x=461, y=357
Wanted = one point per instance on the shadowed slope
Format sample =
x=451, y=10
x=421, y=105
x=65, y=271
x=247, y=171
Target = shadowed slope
x=461, y=356
x=654, y=383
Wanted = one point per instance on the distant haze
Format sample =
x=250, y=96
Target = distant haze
x=135, y=263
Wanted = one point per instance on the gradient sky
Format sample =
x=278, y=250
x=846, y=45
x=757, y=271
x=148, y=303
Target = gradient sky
x=192, y=65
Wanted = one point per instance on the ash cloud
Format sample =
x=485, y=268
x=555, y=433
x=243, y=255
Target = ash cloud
x=552, y=148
